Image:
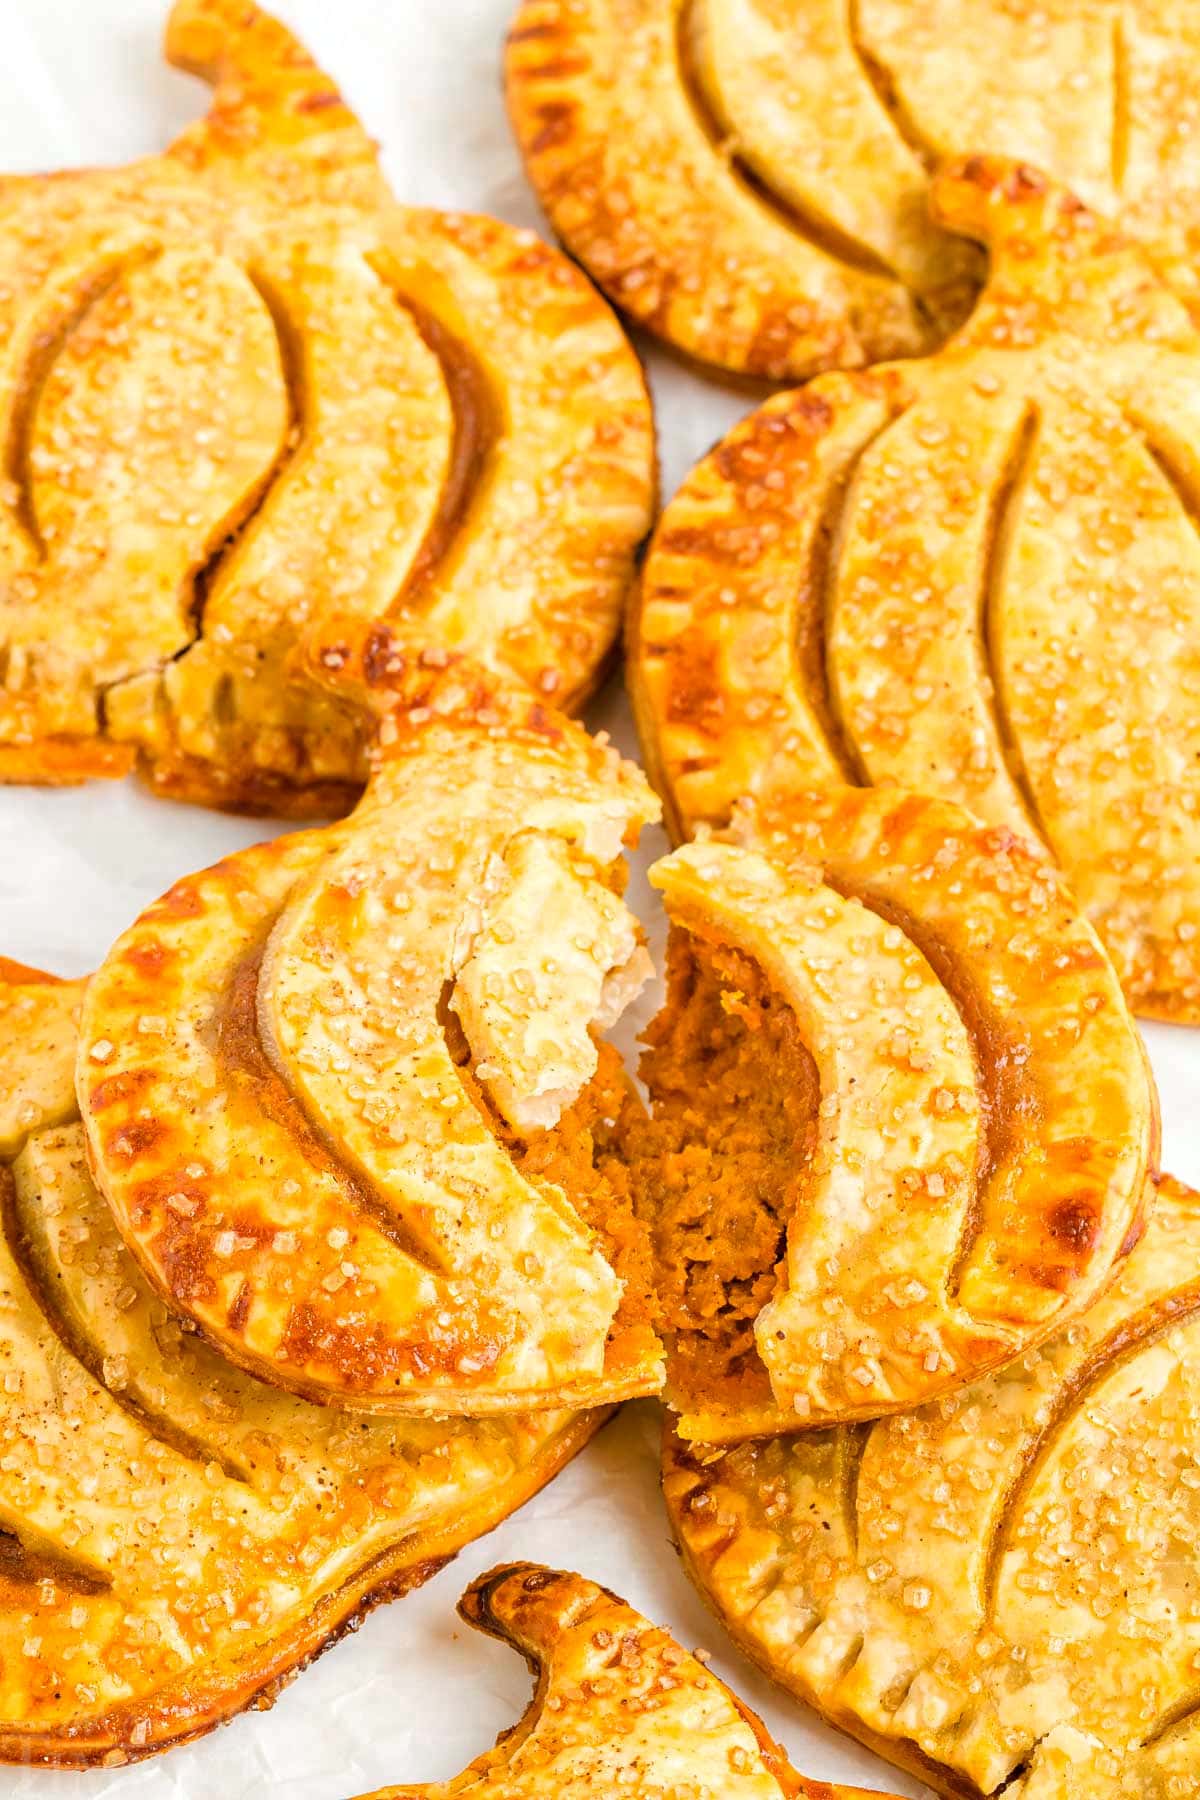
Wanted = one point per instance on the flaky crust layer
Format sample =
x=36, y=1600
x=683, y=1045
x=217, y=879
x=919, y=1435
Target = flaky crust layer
x=975, y=576
x=619, y=1708
x=994, y=1591
x=751, y=178
x=309, y=1075
x=179, y=1540
x=246, y=391
x=986, y=1117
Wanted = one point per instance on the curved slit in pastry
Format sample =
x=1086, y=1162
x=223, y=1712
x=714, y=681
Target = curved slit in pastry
x=883, y=1153
x=477, y=423
x=21, y=1563
x=1013, y=592
x=899, y=116
x=1022, y=1576
x=1001, y=527
x=618, y=1706
x=235, y=1038
x=293, y=1146
x=41, y=1253
x=1121, y=120
x=822, y=233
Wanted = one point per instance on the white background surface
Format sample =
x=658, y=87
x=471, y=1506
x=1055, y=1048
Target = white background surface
x=415, y=1695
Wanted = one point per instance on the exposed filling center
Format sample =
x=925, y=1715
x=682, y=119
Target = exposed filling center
x=583, y=1156
x=718, y=1166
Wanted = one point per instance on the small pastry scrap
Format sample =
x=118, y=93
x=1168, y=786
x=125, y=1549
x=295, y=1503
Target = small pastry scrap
x=997, y=1591
x=620, y=1708
x=750, y=178
x=976, y=576
x=344, y=1091
x=243, y=390
x=901, y=1117
x=177, y=1539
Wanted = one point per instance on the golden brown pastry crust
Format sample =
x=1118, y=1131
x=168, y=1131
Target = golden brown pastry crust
x=176, y=1539
x=615, y=122
x=243, y=390
x=619, y=1708
x=750, y=178
x=317, y=1079
x=975, y=576
x=979, y=1126
x=995, y=1591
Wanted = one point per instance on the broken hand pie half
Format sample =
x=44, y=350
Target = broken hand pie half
x=976, y=576
x=751, y=178
x=343, y=1090
x=620, y=1708
x=997, y=1592
x=176, y=1539
x=242, y=390
x=901, y=1118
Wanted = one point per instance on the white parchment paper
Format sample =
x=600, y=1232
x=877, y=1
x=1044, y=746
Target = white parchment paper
x=414, y=1695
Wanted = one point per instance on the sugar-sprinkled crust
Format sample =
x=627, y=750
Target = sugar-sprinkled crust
x=750, y=178
x=613, y=116
x=307, y=1073
x=996, y=1591
x=620, y=1708
x=178, y=1540
x=976, y=576
x=984, y=1118
x=245, y=390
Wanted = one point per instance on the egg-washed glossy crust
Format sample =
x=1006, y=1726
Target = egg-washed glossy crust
x=242, y=390
x=318, y=1079
x=976, y=576
x=751, y=178
x=983, y=1114
x=176, y=1539
x=996, y=1591
x=610, y=107
x=620, y=1708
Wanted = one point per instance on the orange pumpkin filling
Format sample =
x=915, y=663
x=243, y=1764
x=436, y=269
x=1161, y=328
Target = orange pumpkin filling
x=733, y=1111
x=584, y=1156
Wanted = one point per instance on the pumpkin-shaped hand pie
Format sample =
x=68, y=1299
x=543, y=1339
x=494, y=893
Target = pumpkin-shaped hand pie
x=342, y=1090
x=243, y=390
x=998, y=1591
x=901, y=1116
x=620, y=1708
x=177, y=1539
x=976, y=576
x=736, y=259
x=750, y=178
